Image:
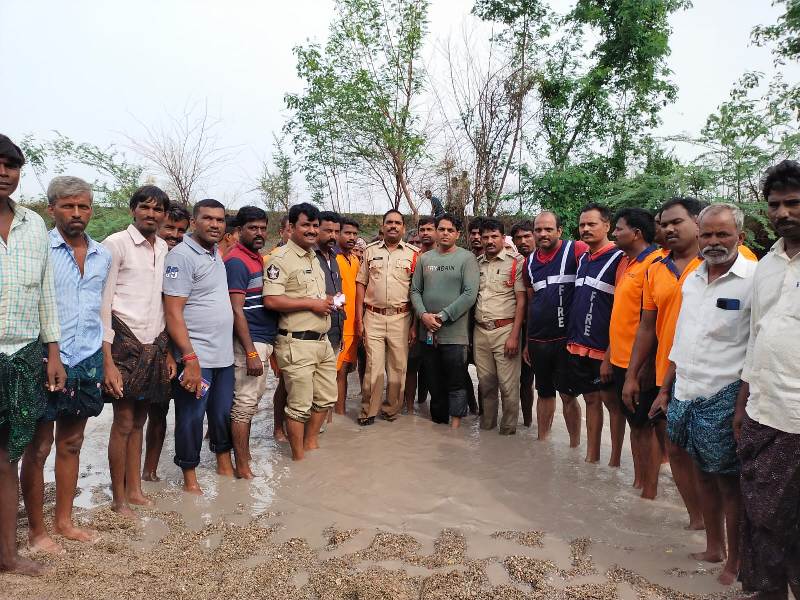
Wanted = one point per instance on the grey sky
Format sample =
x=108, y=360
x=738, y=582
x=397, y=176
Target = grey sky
x=95, y=69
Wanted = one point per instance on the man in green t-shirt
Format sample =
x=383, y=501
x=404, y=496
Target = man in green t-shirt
x=443, y=289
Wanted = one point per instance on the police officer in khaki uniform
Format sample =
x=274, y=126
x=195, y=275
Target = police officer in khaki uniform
x=499, y=315
x=384, y=316
x=294, y=286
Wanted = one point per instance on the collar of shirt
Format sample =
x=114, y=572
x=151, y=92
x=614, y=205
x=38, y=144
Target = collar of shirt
x=546, y=256
x=247, y=251
x=322, y=254
x=57, y=241
x=20, y=214
x=739, y=269
x=608, y=248
x=299, y=251
x=191, y=243
x=669, y=262
x=646, y=252
x=779, y=249
x=502, y=255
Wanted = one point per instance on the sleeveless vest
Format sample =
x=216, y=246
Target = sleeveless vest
x=553, y=286
x=590, y=316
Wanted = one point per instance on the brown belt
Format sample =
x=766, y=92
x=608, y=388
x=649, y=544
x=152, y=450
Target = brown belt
x=496, y=324
x=392, y=310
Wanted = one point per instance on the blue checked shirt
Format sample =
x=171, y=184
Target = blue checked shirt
x=79, y=297
x=27, y=295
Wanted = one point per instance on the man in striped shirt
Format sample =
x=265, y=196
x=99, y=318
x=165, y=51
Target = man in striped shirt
x=28, y=318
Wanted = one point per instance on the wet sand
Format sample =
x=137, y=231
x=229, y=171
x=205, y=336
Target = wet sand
x=401, y=510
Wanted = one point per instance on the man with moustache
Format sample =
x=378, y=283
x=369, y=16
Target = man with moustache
x=383, y=318
x=550, y=283
x=587, y=332
x=175, y=225
x=137, y=361
x=707, y=357
x=80, y=268
x=172, y=230
x=415, y=377
x=474, y=241
x=348, y=268
x=200, y=323
x=295, y=288
x=329, y=228
x=522, y=236
x=254, y=329
x=499, y=316
x=30, y=319
x=633, y=233
x=661, y=303
x=444, y=289
x=767, y=419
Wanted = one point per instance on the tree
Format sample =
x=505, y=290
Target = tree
x=275, y=184
x=356, y=113
x=185, y=152
x=115, y=177
x=785, y=34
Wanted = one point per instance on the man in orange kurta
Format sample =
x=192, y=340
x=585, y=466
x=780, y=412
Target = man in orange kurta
x=348, y=267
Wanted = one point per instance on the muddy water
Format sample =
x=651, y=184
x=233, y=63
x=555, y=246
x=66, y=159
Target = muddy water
x=414, y=477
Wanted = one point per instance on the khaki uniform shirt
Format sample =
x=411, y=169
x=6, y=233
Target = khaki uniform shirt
x=500, y=279
x=296, y=273
x=387, y=275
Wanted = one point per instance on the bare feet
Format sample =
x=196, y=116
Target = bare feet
x=727, y=577
x=591, y=460
x=193, y=489
x=69, y=531
x=140, y=500
x=46, y=544
x=124, y=510
x=225, y=464
x=695, y=524
x=243, y=472
x=712, y=557
x=150, y=476
x=310, y=445
x=280, y=436
x=24, y=566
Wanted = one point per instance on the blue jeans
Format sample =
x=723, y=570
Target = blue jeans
x=189, y=411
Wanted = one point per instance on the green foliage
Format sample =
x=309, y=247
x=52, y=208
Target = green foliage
x=116, y=178
x=275, y=185
x=356, y=113
x=785, y=34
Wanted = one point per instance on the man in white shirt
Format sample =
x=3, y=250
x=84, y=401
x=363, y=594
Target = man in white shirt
x=767, y=421
x=707, y=357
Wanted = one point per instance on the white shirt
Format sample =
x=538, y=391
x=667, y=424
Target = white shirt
x=711, y=341
x=771, y=367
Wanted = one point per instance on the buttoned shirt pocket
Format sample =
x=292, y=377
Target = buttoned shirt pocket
x=29, y=267
x=306, y=281
x=403, y=267
x=377, y=268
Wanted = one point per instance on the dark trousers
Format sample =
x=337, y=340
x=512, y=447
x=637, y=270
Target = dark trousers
x=445, y=365
x=526, y=393
x=189, y=411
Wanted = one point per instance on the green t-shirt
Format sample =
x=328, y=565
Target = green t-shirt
x=446, y=283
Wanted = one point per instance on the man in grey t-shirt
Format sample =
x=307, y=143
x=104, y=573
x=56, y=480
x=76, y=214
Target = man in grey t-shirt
x=200, y=322
x=443, y=289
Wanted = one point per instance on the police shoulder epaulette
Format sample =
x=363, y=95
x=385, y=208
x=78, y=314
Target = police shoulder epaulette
x=412, y=246
x=374, y=243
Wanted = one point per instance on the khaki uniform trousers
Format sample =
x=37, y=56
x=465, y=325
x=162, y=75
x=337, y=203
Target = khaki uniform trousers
x=308, y=368
x=248, y=390
x=497, y=371
x=386, y=343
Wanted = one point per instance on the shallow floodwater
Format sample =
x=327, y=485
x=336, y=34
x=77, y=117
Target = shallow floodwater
x=417, y=478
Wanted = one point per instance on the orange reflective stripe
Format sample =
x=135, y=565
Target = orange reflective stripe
x=513, y=279
x=414, y=262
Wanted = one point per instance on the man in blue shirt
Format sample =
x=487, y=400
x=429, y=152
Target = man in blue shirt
x=200, y=322
x=80, y=268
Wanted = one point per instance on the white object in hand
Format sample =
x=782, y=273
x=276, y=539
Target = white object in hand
x=339, y=300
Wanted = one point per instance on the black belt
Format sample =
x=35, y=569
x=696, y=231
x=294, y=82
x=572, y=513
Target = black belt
x=302, y=335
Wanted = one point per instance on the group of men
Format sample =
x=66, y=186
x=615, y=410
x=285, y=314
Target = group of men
x=674, y=328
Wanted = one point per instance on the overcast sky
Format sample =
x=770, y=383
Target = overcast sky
x=95, y=70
